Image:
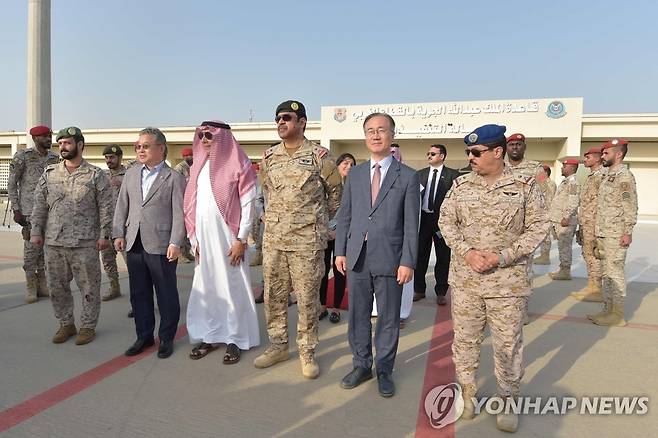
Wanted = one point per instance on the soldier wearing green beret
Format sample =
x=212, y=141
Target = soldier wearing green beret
x=72, y=216
x=115, y=173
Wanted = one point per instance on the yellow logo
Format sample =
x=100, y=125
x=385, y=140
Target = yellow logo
x=294, y=106
x=72, y=131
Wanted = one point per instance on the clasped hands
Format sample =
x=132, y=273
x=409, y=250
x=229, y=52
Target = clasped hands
x=482, y=261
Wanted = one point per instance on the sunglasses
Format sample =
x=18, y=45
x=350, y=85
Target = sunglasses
x=206, y=134
x=138, y=146
x=433, y=154
x=284, y=117
x=477, y=153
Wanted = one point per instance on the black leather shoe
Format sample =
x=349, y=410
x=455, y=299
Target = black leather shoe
x=139, y=346
x=356, y=377
x=334, y=317
x=166, y=349
x=386, y=385
x=131, y=314
x=323, y=314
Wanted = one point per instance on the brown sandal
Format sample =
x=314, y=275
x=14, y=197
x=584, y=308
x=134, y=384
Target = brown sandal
x=232, y=354
x=201, y=350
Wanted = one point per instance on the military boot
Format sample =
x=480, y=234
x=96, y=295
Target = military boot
x=614, y=319
x=595, y=295
x=542, y=259
x=468, y=392
x=32, y=283
x=257, y=259
x=115, y=290
x=42, y=284
x=563, y=273
x=272, y=355
x=310, y=368
x=507, y=422
x=85, y=336
x=64, y=333
x=607, y=308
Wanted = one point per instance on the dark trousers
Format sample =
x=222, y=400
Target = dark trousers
x=339, y=279
x=426, y=237
x=362, y=286
x=146, y=271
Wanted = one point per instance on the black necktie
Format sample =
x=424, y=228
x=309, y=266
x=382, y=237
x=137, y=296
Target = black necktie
x=430, y=196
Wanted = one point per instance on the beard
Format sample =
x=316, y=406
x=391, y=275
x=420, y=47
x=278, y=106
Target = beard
x=70, y=155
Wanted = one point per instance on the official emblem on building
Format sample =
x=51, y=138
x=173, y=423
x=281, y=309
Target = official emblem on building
x=340, y=114
x=556, y=110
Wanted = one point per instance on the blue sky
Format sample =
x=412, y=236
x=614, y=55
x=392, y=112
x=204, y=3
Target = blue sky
x=123, y=63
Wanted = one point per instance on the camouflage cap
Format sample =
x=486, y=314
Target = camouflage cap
x=113, y=149
x=71, y=131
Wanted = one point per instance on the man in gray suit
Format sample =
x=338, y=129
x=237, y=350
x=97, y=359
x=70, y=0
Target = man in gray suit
x=149, y=224
x=377, y=241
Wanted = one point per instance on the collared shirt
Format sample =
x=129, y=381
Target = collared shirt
x=149, y=176
x=383, y=168
x=426, y=197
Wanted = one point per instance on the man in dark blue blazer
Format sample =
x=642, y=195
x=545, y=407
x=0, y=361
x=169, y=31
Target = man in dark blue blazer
x=377, y=241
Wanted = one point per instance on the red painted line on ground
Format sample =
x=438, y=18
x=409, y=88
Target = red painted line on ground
x=580, y=320
x=21, y=412
x=6, y=257
x=439, y=370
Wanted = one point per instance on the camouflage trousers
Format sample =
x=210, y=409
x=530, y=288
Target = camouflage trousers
x=564, y=242
x=302, y=272
x=470, y=314
x=545, y=245
x=66, y=264
x=257, y=231
x=32, y=255
x=109, y=258
x=185, y=249
x=589, y=243
x=613, y=259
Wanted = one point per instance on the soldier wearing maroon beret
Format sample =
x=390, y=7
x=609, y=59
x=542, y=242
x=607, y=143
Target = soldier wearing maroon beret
x=25, y=169
x=616, y=216
x=563, y=216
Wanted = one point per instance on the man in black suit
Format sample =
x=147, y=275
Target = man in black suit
x=435, y=180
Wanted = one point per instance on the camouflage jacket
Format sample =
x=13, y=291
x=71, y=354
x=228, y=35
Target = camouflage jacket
x=184, y=169
x=302, y=193
x=565, y=202
x=25, y=170
x=548, y=189
x=116, y=179
x=616, y=212
x=508, y=218
x=527, y=168
x=589, y=194
x=72, y=209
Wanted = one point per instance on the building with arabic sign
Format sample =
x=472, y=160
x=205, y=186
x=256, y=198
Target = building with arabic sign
x=555, y=128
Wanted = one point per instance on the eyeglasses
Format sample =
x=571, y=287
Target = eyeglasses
x=284, y=117
x=379, y=131
x=475, y=152
x=432, y=154
x=206, y=134
x=146, y=147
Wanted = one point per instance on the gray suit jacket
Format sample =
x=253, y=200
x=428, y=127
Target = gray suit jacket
x=391, y=224
x=159, y=218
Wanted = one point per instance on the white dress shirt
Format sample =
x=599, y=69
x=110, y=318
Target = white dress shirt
x=383, y=168
x=426, y=197
x=149, y=176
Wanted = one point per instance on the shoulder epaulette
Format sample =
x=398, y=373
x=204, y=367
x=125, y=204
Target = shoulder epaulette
x=269, y=151
x=462, y=179
x=50, y=167
x=524, y=179
x=320, y=151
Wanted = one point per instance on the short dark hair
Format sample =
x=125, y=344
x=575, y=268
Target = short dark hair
x=624, y=150
x=442, y=148
x=547, y=170
x=390, y=119
x=345, y=156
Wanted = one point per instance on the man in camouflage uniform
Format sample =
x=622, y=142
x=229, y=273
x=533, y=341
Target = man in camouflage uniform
x=516, y=147
x=492, y=219
x=25, y=170
x=115, y=173
x=585, y=236
x=257, y=221
x=302, y=189
x=563, y=217
x=616, y=215
x=73, y=215
x=548, y=189
x=184, y=169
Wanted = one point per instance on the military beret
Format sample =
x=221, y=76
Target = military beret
x=186, y=151
x=516, y=137
x=592, y=150
x=614, y=142
x=291, y=106
x=70, y=132
x=40, y=130
x=485, y=135
x=571, y=161
x=113, y=149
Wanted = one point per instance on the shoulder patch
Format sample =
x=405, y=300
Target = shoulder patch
x=320, y=151
x=268, y=152
x=50, y=167
x=461, y=180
